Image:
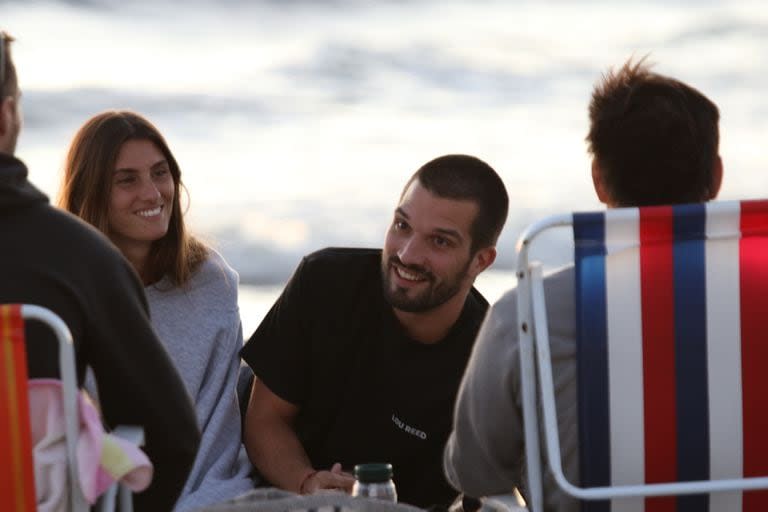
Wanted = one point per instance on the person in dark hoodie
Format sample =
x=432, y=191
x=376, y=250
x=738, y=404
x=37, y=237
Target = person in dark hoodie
x=52, y=259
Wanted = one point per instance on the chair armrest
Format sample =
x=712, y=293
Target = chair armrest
x=130, y=433
x=503, y=503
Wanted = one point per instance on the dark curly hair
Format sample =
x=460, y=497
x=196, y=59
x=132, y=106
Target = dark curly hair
x=654, y=138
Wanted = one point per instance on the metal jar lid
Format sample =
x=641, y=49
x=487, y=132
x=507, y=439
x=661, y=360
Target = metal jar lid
x=373, y=472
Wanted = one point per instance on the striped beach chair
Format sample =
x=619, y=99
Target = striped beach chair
x=672, y=358
x=17, y=481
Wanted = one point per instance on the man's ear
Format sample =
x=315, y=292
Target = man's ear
x=717, y=178
x=6, y=114
x=598, y=183
x=483, y=259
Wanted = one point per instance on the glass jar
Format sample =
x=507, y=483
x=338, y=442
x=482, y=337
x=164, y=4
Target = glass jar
x=374, y=480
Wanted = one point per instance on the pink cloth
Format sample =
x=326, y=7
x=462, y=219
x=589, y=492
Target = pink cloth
x=102, y=457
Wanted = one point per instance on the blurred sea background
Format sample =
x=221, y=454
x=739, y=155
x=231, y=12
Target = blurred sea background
x=297, y=122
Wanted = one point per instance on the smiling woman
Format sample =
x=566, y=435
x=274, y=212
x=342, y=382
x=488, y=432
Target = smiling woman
x=118, y=170
x=141, y=199
x=121, y=176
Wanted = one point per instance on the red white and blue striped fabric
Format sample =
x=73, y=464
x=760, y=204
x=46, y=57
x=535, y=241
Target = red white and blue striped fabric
x=672, y=321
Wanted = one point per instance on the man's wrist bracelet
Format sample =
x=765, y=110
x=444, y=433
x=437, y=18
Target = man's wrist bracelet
x=304, y=480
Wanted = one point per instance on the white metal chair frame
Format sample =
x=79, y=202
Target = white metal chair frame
x=535, y=356
x=121, y=494
x=69, y=384
x=68, y=371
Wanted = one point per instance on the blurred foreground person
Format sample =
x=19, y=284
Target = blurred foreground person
x=654, y=141
x=54, y=260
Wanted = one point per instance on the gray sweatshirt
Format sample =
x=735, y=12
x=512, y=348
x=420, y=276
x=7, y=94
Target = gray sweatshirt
x=199, y=324
x=485, y=454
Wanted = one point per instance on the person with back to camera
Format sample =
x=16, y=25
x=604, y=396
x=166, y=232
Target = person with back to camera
x=53, y=259
x=360, y=357
x=121, y=177
x=654, y=141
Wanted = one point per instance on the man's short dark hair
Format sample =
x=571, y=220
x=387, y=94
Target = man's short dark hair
x=654, y=138
x=8, y=83
x=465, y=177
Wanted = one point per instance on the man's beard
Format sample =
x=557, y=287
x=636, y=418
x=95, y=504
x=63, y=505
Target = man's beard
x=433, y=296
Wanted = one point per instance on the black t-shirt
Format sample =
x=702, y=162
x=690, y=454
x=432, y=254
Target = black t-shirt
x=366, y=392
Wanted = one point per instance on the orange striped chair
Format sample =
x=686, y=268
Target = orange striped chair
x=17, y=481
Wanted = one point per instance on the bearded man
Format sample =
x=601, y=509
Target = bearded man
x=360, y=358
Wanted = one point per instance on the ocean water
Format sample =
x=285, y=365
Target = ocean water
x=296, y=123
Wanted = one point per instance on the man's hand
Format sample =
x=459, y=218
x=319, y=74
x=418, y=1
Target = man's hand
x=335, y=479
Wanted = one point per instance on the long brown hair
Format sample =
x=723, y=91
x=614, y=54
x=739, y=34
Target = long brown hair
x=87, y=184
